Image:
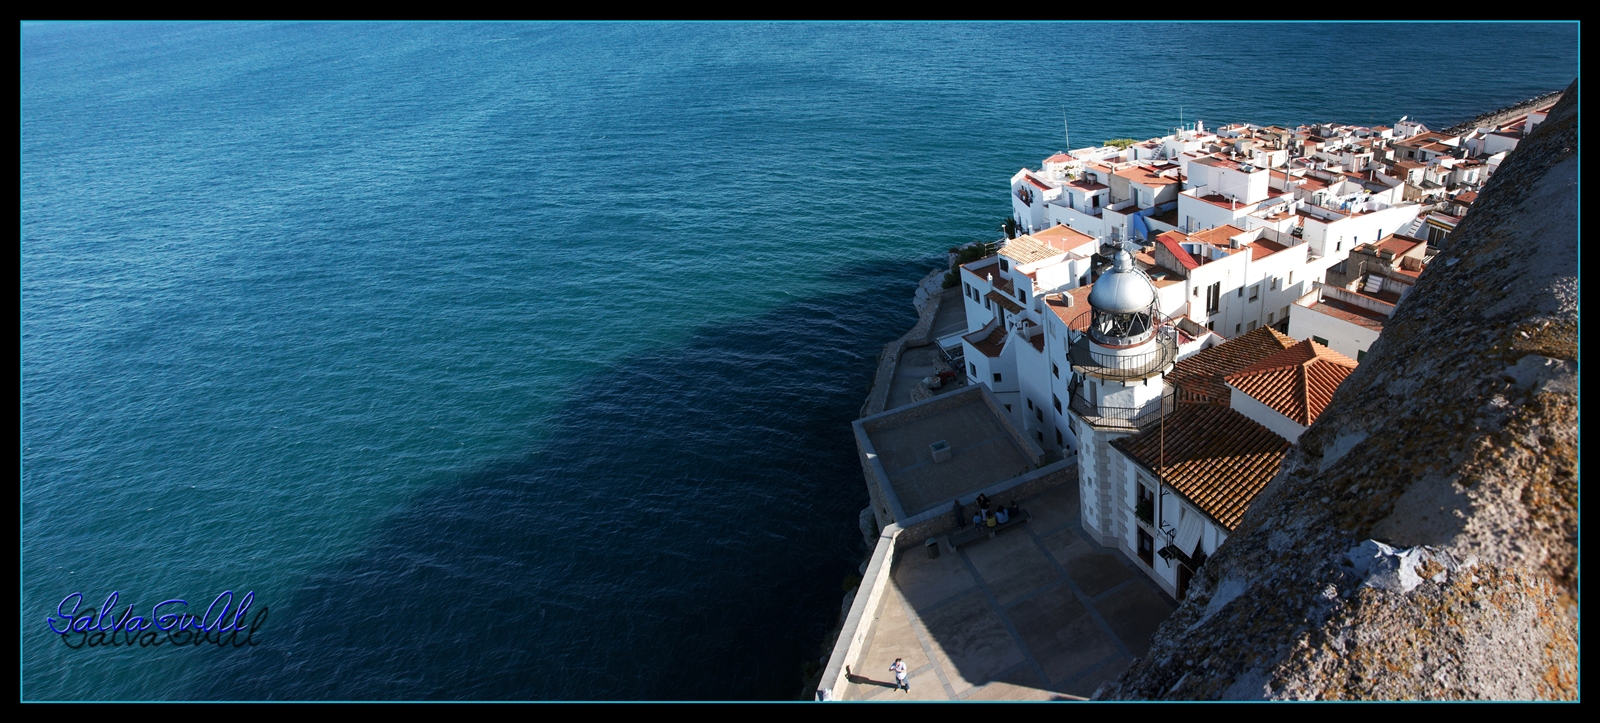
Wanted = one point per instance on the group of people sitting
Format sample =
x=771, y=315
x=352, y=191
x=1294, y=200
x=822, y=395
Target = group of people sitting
x=998, y=516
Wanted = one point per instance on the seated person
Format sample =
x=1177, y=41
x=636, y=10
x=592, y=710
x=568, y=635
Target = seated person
x=977, y=520
x=1012, y=508
x=1001, y=516
x=988, y=518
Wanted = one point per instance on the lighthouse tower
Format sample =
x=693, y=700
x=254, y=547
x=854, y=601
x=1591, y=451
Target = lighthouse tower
x=1120, y=350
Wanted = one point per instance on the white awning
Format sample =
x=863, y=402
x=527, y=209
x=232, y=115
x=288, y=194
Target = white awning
x=1189, y=532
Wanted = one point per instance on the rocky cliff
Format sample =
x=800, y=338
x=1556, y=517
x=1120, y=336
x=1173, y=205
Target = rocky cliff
x=1420, y=542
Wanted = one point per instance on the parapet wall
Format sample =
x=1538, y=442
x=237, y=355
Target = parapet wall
x=927, y=300
x=858, y=624
x=1496, y=117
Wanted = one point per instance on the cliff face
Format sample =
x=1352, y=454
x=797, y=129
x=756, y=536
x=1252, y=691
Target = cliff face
x=1420, y=542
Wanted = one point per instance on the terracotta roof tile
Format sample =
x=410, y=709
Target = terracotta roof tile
x=1214, y=456
x=991, y=344
x=1009, y=303
x=1169, y=240
x=1071, y=305
x=1027, y=249
x=1398, y=245
x=1065, y=238
x=1297, y=382
x=1199, y=377
x=1041, y=185
x=1264, y=247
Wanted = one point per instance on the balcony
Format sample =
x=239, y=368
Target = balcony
x=1123, y=418
x=1124, y=367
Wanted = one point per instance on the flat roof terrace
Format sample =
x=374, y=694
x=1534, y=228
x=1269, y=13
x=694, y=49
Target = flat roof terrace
x=984, y=449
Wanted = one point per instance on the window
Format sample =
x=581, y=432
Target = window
x=1291, y=278
x=1360, y=355
x=1040, y=435
x=1252, y=326
x=1255, y=292
x=974, y=370
x=1008, y=407
x=1038, y=413
x=1055, y=371
x=1057, y=401
x=1030, y=404
x=1320, y=340
x=1338, y=244
x=1021, y=295
x=1271, y=317
x=1004, y=266
x=986, y=305
x=1214, y=298
x=997, y=380
x=1211, y=325
x=1284, y=314
x=968, y=287
x=1236, y=328
x=1058, y=438
x=1241, y=292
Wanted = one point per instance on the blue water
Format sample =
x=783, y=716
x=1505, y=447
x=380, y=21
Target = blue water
x=517, y=361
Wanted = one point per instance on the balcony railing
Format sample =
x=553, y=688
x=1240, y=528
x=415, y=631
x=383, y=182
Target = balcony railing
x=1131, y=418
x=1124, y=367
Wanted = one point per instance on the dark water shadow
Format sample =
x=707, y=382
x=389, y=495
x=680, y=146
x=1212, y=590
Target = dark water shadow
x=681, y=534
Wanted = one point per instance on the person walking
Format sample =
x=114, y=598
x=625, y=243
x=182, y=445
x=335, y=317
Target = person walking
x=899, y=670
x=961, y=519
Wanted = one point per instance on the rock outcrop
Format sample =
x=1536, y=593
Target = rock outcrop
x=1420, y=542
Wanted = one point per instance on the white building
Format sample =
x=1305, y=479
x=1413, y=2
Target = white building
x=1178, y=486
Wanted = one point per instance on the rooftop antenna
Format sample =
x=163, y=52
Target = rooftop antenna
x=1066, y=129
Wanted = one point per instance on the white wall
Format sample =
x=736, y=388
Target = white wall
x=1264, y=415
x=1344, y=337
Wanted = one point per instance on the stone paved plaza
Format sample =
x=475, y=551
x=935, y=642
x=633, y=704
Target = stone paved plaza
x=1037, y=613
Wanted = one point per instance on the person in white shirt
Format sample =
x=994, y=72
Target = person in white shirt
x=899, y=670
x=1001, y=516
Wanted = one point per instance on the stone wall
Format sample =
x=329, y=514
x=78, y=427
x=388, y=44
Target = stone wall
x=935, y=523
x=1420, y=542
x=927, y=300
x=863, y=614
x=1496, y=117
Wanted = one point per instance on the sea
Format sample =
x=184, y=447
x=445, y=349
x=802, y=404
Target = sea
x=516, y=361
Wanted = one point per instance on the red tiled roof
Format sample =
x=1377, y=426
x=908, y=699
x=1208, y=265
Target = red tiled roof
x=1398, y=245
x=983, y=266
x=1199, y=377
x=1064, y=238
x=1009, y=303
x=990, y=345
x=1297, y=382
x=1145, y=176
x=1067, y=309
x=1089, y=186
x=1264, y=247
x=1357, y=315
x=1214, y=456
x=1169, y=240
x=1041, y=185
x=1058, y=158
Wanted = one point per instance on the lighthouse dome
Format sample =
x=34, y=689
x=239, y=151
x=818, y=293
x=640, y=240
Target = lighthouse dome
x=1123, y=289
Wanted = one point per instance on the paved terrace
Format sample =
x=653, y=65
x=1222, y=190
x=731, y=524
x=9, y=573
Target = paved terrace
x=919, y=362
x=1037, y=613
x=983, y=451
